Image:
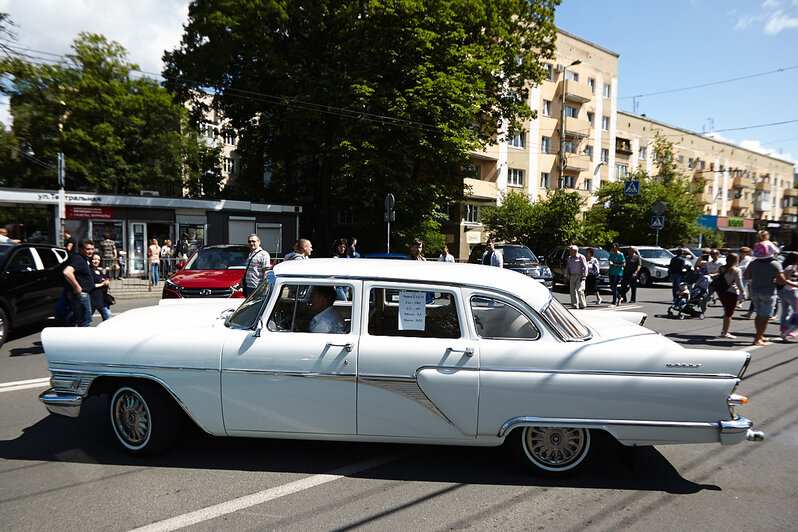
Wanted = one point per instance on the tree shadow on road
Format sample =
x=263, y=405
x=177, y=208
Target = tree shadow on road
x=88, y=439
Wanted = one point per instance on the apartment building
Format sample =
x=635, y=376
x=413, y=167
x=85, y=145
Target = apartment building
x=580, y=139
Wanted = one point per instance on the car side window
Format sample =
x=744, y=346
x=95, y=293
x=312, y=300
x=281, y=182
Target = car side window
x=21, y=261
x=413, y=313
x=48, y=256
x=497, y=319
x=312, y=308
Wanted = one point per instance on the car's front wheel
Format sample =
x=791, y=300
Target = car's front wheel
x=4, y=328
x=144, y=418
x=644, y=278
x=552, y=451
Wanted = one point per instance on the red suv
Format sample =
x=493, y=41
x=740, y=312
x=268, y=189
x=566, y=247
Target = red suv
x=213, y=271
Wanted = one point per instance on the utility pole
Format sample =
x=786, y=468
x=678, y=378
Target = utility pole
x=562, y=124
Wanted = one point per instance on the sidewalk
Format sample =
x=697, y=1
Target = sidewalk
x=134, y=288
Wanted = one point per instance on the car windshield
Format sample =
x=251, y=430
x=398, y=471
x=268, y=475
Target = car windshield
x=599, y=253
x=655, y=253
x=518, y=254
x=565, y=323
x=218, y=259
x=245, y=315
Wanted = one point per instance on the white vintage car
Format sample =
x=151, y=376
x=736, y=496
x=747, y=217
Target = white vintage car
x=403, y=351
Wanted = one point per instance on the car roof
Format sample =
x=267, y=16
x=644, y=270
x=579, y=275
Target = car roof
x=475, y=275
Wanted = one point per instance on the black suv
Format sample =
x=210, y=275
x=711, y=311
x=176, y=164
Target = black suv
x=518, y=258
x=31, y=282
x=559, y=258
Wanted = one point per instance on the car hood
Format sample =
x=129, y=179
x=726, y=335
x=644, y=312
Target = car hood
x=207, y=278
x=659, y=262
x=173, y=333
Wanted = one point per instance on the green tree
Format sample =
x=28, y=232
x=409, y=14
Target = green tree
x=117, y=133
x=630, y=215
x=542, y=226
x=338, y=103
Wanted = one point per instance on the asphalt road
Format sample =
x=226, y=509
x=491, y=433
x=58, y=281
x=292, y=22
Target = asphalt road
x=67, y=474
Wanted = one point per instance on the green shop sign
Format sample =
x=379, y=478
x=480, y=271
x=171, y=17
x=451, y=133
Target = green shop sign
x=735, y=222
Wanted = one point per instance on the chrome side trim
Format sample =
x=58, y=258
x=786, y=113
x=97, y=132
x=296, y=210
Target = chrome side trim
x=745, y=366
x=132, y=366
x=64, y=404
x=406, y=387
x=736, y=425
x=302, y=374
x=573, y=422
x=624, y=373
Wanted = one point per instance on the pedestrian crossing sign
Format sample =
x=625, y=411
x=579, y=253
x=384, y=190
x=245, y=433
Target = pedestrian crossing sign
x=631, y=187
x=657, y=222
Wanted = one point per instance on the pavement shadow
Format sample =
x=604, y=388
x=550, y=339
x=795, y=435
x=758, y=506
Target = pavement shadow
x=35, y=349
x=88, y=439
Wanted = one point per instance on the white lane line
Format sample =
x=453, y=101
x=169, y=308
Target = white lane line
x=217, y=510
x=24, y=385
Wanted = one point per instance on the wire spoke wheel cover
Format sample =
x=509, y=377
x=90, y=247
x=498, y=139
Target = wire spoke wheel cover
x=555, y=449
x=131, y=418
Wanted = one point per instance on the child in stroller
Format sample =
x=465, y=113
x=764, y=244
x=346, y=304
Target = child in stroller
x=690, y=301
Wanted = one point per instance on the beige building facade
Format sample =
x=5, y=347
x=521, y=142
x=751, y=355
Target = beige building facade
x=580, y=139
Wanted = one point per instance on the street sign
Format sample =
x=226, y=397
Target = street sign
x=657, y=222
x=631, y=188
x=659, y=208
x=389, y=202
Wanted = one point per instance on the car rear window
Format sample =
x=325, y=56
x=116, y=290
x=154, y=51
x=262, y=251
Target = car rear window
x=413, y=313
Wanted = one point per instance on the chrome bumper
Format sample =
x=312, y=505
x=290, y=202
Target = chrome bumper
x=737, y=430
x=62, y=403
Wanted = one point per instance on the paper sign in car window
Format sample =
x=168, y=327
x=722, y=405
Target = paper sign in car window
x=411, y=310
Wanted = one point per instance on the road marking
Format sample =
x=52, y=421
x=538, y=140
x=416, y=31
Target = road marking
x=24, y=385
x=217, y=510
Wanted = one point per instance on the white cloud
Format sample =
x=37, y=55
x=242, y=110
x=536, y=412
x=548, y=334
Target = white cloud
x=774, y=16
x=755, y=145
x=779, y=21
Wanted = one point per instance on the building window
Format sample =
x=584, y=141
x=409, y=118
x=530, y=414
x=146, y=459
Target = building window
x=588, y=184
x=591, y=117
x=515, y=177
x=621, y=170
x=710, y=190
x=518, y=140
x=545, y=180
x=701, y=165
x=546, y=111
x=567, y=181
x=690, y=164
x=605, y=123
x=229, y=165
x=681, y=159
x=572, y=112
x=605, y=155
x=568, y=147
x=606, y=90
x=471, y=213
x=591, y=82
x=229, y=138
x=589, y=152
x=549, y=72
x=570, y=74
x=642, y=153
x=545, y=145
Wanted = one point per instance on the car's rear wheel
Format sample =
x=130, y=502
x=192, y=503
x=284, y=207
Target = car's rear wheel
x=644, y=278
x=552, y=451
x=144, y=418
x=4, y=328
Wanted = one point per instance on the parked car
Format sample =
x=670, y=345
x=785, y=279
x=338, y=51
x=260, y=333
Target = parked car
x=693, y=253
x=517, y=258
x=558, y=259
x=492, y=358
x=212, y=271
x=393, y=256
x=654, y=262
x=31, y=282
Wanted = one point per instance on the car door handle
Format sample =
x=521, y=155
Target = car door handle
x=468, y=351
x=347, y=346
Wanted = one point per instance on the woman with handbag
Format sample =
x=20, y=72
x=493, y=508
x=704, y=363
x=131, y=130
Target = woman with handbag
x=729, y=285
x=100, y=294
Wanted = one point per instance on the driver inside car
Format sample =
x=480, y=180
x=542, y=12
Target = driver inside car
x=326, y=319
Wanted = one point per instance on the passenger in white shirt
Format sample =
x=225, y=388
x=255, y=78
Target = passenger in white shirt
x=327, y=319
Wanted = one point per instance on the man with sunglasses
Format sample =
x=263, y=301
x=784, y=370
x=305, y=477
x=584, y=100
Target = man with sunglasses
x=258, y=263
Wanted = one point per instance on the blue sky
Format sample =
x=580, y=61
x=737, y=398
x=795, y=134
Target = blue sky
x=675, y=44
x=670, y=44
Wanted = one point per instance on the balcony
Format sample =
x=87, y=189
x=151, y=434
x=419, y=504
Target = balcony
x=577, y=92
x=763, y=185
x=576, y=163
x=623, y=146
x=762, y=205
x=790, y=210
x=477, y=188
x=742, y=182
x=706, y=198
x=790, y=192
x=704, y=175
x=741, y=203
x=574, y=127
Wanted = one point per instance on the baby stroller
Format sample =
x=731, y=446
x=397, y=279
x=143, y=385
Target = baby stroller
x=694, y=304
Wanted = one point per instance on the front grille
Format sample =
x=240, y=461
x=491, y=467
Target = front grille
x=205, y=292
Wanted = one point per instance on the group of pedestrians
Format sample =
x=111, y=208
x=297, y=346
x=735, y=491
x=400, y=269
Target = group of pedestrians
x=86, y=287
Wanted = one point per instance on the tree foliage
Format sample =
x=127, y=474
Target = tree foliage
x=630, y=215
x=118, y=133
x=546, y=224
x=338, y=103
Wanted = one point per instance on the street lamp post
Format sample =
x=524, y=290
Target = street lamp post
x=562, y=122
